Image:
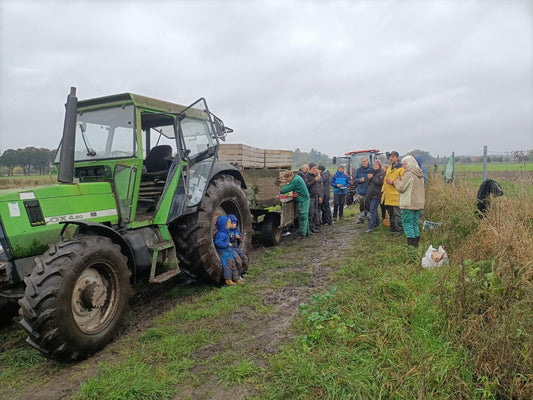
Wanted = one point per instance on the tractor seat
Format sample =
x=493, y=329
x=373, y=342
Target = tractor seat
x=157, y=162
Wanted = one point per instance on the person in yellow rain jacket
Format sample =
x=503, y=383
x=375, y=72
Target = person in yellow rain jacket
x=390, y=197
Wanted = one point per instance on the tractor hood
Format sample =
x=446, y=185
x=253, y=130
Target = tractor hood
x=32, y=218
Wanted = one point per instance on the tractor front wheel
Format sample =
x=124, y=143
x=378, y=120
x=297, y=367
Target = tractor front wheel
x=76, y=297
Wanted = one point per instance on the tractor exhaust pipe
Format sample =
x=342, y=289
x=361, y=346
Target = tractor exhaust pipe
x=66, y=159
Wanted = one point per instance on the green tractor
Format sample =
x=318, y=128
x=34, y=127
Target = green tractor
x=139, y=192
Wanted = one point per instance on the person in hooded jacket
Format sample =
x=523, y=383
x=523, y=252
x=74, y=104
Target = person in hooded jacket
x=412, y=198
x=340, y=182
x=223, y=247
x=375, y=180
x=235, y=238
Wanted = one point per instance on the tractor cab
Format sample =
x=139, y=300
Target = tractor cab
x=144, y=146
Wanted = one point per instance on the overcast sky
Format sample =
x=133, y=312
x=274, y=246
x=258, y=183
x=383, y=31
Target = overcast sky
x=439, y=76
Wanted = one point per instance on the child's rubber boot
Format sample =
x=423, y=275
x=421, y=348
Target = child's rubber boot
x=229, y=282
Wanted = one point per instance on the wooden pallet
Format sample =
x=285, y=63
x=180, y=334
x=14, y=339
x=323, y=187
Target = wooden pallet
x=244, y=156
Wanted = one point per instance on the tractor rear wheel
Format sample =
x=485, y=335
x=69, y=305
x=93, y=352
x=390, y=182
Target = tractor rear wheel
x=194, y=234
x=76, y=297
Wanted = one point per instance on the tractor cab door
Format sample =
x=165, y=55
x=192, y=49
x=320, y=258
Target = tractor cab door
x=199, y=147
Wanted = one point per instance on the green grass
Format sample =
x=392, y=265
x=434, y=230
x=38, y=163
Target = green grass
x=377, y=334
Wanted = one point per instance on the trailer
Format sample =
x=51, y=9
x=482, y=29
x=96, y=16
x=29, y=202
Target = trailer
x=261, y=169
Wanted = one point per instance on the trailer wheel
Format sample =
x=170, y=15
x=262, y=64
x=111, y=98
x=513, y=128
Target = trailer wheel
x=193, y=234
x=8, y=310
x=270, y=230
x=76, y=297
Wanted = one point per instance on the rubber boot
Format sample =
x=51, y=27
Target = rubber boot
x=229, y=282
x=416, y=240
x=411, y=242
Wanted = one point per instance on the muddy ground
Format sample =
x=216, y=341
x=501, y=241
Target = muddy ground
x=264, y=333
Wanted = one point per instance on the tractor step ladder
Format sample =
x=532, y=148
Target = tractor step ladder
x=170, y=260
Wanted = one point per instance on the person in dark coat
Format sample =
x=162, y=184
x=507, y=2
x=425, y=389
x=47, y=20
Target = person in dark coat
x=361, y=179
x=325, y=207
x=314, y=185
x=375, y=181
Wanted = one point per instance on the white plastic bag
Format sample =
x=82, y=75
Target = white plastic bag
x=434, y=258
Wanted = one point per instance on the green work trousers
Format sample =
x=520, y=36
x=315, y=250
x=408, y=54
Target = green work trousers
x=303, y=217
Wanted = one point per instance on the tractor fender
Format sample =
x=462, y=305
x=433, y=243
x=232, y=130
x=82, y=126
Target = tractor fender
x=223, y=168
x=94, y=228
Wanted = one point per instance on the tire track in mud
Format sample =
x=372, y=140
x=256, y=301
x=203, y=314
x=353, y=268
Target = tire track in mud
x=265, y=334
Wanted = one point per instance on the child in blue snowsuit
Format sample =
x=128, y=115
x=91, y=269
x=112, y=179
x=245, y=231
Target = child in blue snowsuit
x=224, y=249
x=235, y=237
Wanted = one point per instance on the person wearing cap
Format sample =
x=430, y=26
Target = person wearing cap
x=340, y=182
x=325, y=208
x=390, y=196
x=314, y=186
x=296, y=184
x=375, y=181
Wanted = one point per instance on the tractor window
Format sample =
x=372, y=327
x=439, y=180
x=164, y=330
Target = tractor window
x=197, y=135
x=106, y=133
x=159, y=130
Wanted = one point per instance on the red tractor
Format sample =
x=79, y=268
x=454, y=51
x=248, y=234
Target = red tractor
x=353, y=161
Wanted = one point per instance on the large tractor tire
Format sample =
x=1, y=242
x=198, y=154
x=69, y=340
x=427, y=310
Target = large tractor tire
x=194, y=234
x=76, y=297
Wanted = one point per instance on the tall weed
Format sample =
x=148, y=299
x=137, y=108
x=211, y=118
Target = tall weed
x=487, y=292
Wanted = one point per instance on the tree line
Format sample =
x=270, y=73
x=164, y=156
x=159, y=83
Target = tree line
x=30, y=159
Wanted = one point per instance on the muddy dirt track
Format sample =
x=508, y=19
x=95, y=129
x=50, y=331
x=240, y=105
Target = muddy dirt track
x=262, y=336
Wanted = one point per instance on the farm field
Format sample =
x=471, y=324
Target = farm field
x=494, y=167
x=7, y=182
x=341, y=315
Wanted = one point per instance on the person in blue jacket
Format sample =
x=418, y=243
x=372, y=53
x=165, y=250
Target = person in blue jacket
x=235, y=237
x=223, y=247
x=340, y=182
x=361, y=179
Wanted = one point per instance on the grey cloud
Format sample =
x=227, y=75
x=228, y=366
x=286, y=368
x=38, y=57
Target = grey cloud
x=439, y=76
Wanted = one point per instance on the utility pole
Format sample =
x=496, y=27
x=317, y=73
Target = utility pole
x=484, y=162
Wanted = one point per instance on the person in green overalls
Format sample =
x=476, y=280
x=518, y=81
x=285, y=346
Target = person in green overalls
x=296, y=184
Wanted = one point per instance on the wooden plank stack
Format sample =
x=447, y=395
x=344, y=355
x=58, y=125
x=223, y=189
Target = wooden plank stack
x=243, y=156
